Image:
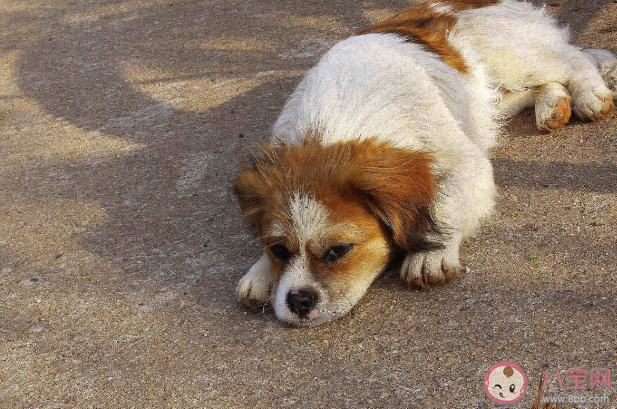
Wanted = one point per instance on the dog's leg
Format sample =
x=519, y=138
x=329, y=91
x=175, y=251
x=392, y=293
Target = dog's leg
x=553, y=104
x=512, y=103
x=254, y=288
x=569, y=75
x=607, y=64
x=464, y=198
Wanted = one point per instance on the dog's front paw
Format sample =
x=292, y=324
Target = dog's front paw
x=430, y=268
x=253, y=289
x=593, y=104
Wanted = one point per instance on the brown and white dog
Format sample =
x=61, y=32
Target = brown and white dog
x=384, y=145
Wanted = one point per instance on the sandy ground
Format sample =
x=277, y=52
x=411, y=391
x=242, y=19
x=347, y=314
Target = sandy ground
x=122, y=124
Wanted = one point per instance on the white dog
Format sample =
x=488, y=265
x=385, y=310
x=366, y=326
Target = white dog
x=384, y=144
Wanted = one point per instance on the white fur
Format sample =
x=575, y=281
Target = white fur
x=514, y=102
x=380, y=85
x=309, y=217
x=440, y=8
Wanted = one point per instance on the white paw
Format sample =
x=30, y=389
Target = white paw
x=592, y=104
x=430, y=268
x=253, y=289
x=553, y=107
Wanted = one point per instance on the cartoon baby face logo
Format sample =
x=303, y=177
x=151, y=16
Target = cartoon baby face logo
x=505, y=383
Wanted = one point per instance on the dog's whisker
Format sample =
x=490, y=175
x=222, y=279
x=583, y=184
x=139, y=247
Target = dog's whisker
x=349, y=301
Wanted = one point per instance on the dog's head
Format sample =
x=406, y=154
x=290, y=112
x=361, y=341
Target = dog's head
x=329, y=217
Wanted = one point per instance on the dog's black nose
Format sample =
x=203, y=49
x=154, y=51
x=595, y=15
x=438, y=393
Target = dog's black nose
x=302, y=301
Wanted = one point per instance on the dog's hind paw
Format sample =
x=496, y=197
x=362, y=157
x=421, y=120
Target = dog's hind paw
x=592, y=104
x=553, y=107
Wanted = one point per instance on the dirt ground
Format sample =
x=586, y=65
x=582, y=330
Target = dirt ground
x=122, y=124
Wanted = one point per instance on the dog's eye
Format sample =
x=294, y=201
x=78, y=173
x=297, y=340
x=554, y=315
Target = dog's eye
x=512, y=388
x=280, y=251
x=337, y=251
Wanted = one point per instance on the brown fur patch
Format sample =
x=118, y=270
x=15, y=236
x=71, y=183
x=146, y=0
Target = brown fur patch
x=421, y=24
x=350, y=222
x=393, y=185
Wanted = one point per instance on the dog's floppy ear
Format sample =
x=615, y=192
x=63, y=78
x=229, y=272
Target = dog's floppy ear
x=397, y=185
x=249, y=190
x=255, y=184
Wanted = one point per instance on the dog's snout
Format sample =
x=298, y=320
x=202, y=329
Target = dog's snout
x=302, y=302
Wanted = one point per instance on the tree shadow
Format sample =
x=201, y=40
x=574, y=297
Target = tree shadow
x=168, y=204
